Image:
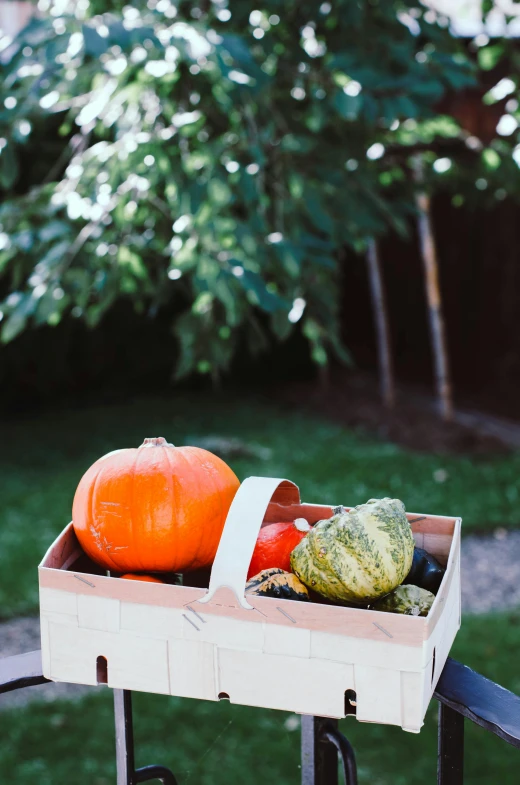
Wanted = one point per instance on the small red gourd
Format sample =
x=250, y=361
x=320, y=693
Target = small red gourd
x=274, y=545
x=157, y=508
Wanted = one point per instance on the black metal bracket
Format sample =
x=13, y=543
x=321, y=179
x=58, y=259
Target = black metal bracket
x=127, y=774
x=321, y=744
x=331, y=734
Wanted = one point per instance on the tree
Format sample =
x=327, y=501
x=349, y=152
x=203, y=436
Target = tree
x=218, y=156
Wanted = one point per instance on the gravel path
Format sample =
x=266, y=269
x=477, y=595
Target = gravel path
x=490, y=569
x=490, y=581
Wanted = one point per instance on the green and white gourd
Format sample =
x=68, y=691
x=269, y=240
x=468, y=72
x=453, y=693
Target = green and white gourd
x=409, y=600
x=358, y=555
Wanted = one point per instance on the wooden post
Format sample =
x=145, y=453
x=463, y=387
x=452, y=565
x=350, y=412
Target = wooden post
x=433, y=294
x=384, y=351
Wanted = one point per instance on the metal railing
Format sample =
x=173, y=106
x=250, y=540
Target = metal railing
x=461, y=693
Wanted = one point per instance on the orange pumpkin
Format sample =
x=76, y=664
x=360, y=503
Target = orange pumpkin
x=146, y=578
x=157, y=508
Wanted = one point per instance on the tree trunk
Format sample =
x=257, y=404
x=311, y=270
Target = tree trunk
x=433, y=295
x=384, y=351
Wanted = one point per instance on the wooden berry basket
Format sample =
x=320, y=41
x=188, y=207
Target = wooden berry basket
x=258, y=651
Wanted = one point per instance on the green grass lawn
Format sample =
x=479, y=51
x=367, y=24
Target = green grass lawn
x=217, y=744
x=45, y=457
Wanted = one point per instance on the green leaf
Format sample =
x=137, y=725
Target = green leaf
x=281, y=325
x=491, y=158
x=312, y=331
x=241, y=54
x=348, y=106
x=226, y=291
x=55, y=254
x=9, y=168
x=219, y=192
x=316, y=211
x=131, y=262
x=259, y=294
x=297, y=144
x=95, y=44
x=291, y=257
x=53, y=230
x=489, y=56
x=95, y=313
x=17, y=319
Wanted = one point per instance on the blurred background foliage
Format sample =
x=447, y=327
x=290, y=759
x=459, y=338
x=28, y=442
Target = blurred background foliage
x=216, y=162
x=219, y=160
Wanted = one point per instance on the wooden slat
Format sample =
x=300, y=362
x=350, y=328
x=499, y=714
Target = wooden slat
x=438, y=545
x=412, y=706
x=116, y=588
x=287, y=493
x=192, y=669
x=58, y=601
x=288, y=683
x=279, y=513
x=444, y=598
x=65, y=547
x=290, y=641
x=405, y=630
x=151, y=621
x=420, y=523
x=353, y=622
x=222, y=631
x=134, y=663
x=99, y=613
x=378, y=694
x=345, y=648
x=431, y=524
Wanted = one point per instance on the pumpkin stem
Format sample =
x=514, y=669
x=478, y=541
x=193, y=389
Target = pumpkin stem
x=157, y=441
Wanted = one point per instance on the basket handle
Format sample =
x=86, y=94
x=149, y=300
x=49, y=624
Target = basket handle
x=243, y=523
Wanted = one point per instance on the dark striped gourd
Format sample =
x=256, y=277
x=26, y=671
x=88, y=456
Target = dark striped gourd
x=275, y=582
